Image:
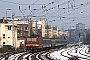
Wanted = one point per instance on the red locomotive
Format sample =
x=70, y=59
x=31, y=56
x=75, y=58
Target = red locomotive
x=33, y=43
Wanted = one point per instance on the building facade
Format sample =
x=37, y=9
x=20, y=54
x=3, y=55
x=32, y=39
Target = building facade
x=55, y=32
x=80, y=26
x=7, y=37
x=38, y=27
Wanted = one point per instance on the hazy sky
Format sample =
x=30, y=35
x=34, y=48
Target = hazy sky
x=61, y=13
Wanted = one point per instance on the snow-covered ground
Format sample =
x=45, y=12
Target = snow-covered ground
x=63, y=54
x=15, y=56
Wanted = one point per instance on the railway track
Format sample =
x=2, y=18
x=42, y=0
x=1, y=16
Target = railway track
x=43, y=55
x=6, y=55
x=64, y=54
x=79, y=57
x=87, y=51
x=68, y=53
x=9, y=55
x=21, y=57
x=85, y=55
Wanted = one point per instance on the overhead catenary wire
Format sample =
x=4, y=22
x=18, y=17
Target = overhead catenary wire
x=79, y=6
x=9, y=2
x=81, y=17
x=35, y=1
x=55, y=7
x=18, y=3
x=43, y=6
x=38, y=16
x=20, y=10
x=55, y=11
x=50, y=9
x=22, y=4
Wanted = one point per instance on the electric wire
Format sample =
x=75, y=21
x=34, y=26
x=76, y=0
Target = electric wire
x=49, y=9
x=18, y=3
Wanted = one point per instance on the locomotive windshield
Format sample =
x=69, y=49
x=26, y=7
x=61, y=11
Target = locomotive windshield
x=31, y=39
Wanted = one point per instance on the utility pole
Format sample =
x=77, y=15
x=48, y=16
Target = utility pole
x=47, y=30
x=79, y=39
x=36, y=29
x=29, y=27
x=13, y=30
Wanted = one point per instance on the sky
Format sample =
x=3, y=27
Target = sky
x=61, y=13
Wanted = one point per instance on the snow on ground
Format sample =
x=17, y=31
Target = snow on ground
x=56, y=55
x=79, y=50
x=25, y=56
x=83, y=49
x=15, y=56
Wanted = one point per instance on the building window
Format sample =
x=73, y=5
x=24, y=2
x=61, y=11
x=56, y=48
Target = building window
x=49, y=30
x=3, y=43
x=45, y=31
x=21, y=28
x=45, y=35
x=21, y=34
x=25, y=28
x=3, y=35
x=18, y=28
x=18, y=34
x=24, y=34
x=49, y=34
x=8, y=37
x=9, y=27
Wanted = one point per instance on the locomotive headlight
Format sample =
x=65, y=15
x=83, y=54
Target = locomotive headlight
x=26, y=45
x=37, y=45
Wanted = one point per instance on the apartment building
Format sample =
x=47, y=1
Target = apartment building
x=48, y=31
x=22, y=28
x=36, y=27
x=55, y=32
x=41, y=26
x=8, y=36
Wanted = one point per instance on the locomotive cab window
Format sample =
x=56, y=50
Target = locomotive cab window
x=31, y=39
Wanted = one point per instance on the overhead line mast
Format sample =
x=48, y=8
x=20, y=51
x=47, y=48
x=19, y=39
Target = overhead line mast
x=29, y=27
x=13, y=30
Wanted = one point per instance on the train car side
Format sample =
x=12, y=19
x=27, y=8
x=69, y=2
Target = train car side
x=46, y=43
x=53, y=43
x=58, y=43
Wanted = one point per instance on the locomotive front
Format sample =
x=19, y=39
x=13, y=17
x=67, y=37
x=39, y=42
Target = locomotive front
x=33, y=43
